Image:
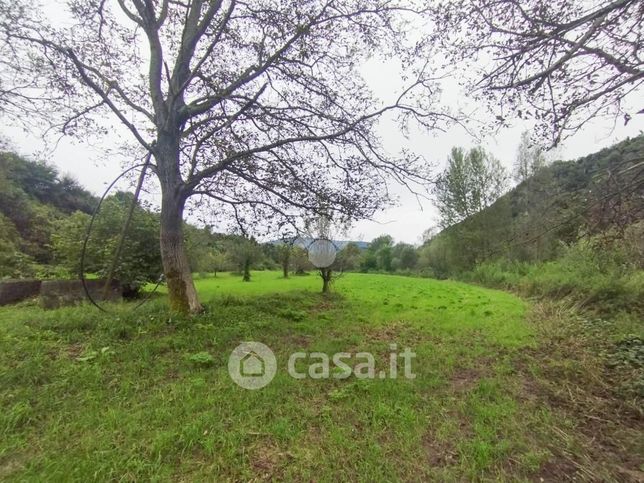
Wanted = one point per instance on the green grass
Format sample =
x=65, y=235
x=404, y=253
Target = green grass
x=145, y=395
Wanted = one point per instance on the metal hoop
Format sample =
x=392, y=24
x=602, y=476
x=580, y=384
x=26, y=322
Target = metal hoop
x=143, y=167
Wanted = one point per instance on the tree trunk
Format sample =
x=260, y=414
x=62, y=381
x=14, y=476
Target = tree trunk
x=181, y=288
x=246, y=270
x=326, y=274
x=285, y=266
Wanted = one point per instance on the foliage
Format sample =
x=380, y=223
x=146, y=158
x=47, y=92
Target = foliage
x=217, y=262
x=629, y=352
x=300, y=261
x=597, y=275
x=553, y=208
x=13, y=263
x=42, y=182
x=530, y=159
x=280, y=253
x=404, y=257
x=244, y=252
x=33, y=197
x=378, y=254
x=140, y=260
x=559, y=63
x=201, y=359
x=472, y=181
x=349, y=257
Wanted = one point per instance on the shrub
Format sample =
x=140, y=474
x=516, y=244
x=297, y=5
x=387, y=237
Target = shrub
x=594, y=272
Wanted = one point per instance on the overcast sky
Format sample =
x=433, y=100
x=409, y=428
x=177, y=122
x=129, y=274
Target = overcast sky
x=405, y=222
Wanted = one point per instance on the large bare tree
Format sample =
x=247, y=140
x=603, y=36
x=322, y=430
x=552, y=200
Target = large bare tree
x=558, y=62
x=257, y=106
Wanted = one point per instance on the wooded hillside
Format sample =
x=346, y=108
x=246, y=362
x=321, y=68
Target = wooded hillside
x=34, y=198
x=600, y=193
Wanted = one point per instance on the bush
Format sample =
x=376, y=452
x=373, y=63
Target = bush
x=140, y=260
x=594, y=272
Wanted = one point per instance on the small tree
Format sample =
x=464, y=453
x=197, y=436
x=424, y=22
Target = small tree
x=530, y=158
x=323, y=229
x=244, y=252
x=218, y=261
x=285, y=249
x=140, y=260
x=471, y=182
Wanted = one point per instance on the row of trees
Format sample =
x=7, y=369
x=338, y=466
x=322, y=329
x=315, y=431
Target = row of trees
x=35, y=198
x=471, y=181
x=556, y=203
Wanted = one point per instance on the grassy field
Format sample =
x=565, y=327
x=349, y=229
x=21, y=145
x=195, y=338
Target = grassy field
x=144, y=395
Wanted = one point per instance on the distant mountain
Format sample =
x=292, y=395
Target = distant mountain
x=304, y=242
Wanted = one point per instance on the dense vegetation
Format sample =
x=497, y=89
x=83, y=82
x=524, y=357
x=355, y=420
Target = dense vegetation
x=570, y=228
x=34, y=198
x=559, y=204
x=44, y=218
x=492, y=365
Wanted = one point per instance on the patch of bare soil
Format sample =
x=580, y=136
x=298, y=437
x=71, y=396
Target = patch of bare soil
x=298, y=340
x=397, y=332
x=466, y=378
x=267, y=461
x=439, y=453
x=557, y=469
x=74, y=351
x=11, y=465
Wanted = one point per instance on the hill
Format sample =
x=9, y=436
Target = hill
x=44, y=218
x=599, y=193
x=34, y=197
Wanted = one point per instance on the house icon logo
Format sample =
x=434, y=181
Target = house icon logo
x=252, y=365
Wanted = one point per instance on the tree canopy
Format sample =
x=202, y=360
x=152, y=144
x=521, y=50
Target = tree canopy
x=471, y=181
x=560, y=63
x=140, y=261
x=260, y=110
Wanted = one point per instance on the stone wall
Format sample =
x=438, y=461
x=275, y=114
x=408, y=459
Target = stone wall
x=12, y=291
x=58, y=293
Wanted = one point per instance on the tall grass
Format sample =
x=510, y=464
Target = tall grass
x=597, y=273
